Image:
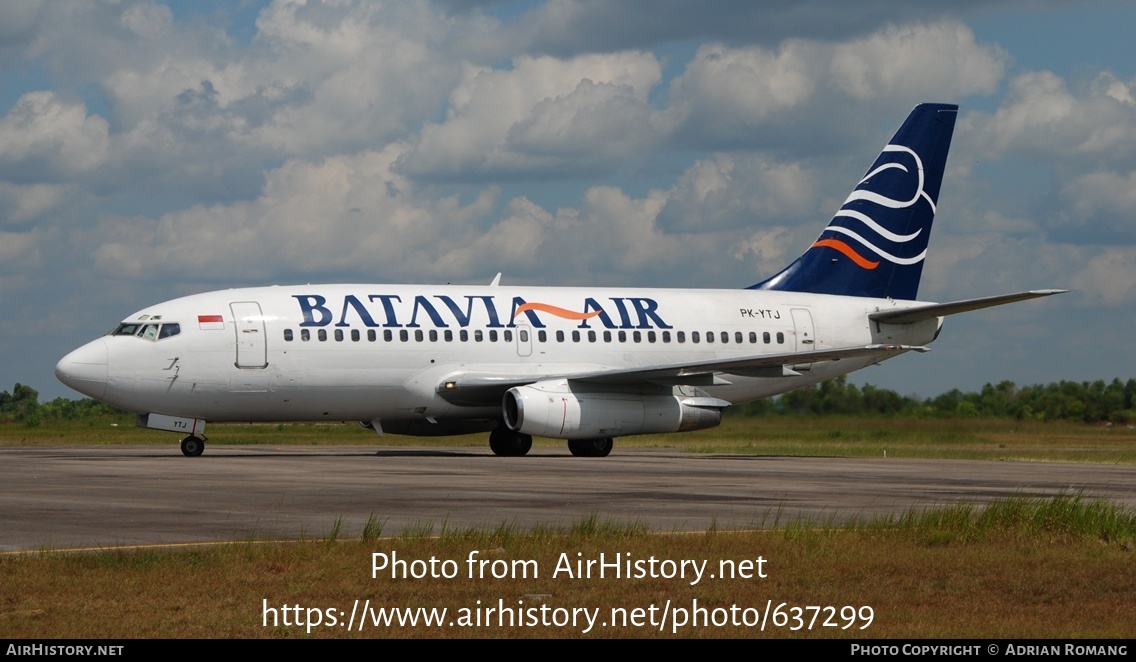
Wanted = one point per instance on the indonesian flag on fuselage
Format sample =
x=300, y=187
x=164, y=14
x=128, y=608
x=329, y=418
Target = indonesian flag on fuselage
x=210, y=322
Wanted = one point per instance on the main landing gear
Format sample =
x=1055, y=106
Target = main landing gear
x=192, y=446
x=508, y=443
x=590, y=447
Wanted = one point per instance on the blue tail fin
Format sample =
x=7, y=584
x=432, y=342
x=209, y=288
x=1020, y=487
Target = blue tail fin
x=875, y=245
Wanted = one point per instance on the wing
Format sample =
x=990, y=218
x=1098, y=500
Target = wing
x=485, y=389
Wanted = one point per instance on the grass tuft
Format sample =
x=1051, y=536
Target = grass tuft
x=336, y=529
x=418, y=529
x=373, y=528
x=592, y=527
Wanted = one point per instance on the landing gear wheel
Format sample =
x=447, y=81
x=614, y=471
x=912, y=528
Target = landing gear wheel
x=590, y=447
x=508, y=443
x=192, y=446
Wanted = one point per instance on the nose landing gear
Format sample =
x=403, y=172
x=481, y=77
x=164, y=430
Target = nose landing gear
x=192, y=446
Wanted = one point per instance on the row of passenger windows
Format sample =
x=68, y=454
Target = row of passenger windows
x=492, y=335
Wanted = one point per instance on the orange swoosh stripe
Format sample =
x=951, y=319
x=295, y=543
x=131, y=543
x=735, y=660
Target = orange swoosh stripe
x=847, y=250
x=555, y=310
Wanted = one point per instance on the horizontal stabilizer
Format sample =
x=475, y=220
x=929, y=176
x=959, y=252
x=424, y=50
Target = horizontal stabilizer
x=920, y=313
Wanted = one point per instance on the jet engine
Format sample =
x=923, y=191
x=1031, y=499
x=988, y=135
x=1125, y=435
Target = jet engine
x=564, y=410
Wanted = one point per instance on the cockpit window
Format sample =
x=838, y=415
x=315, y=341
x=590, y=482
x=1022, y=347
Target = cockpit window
x=147, y=331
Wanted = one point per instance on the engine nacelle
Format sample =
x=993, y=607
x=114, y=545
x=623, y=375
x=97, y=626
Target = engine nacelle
x=562, y=411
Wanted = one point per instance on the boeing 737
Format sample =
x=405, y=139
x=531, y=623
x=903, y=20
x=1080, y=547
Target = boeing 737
x=581, y=364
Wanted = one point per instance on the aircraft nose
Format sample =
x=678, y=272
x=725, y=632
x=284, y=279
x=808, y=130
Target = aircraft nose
x=85, y=369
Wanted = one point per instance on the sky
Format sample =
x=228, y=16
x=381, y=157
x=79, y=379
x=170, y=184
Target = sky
x=150, y=150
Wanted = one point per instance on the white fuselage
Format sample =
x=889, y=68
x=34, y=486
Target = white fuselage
x=380, y=352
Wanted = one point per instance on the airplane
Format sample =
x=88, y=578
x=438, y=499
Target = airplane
x=582, y=364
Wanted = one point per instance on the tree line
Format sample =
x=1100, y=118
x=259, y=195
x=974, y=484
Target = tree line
x=1088, y=402
x=22, y=405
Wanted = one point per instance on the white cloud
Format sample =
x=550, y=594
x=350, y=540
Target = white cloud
x=21, y=204
x=758, y=96
x=929, y=62
x=542, y=115
x=1101, y=208
x=1041, y=117
x=1109, y=277
x=730, y=191
x=147, y=20
x=43, y=138
x=19, y=251
x=748, y=84
x=355, y=217
x=346, y=214
x=768, y=248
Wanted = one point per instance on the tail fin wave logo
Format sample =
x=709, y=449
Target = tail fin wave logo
x=863, y=199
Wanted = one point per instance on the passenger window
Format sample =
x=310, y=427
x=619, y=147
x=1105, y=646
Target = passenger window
x=477, y=335
x=493, y=335
x=339, y=335
x=591, y=336
x=371, y=335
x=650, y=336
x=753, y=337
x=508, y=335
x=607, y=336
x=666, y=336
x=575, y=336
x=288, y=335
x=448, y=335
x=433, y=335
x=322, y=335
x=765, y=337
x=709, y=336
x=305, y=335
x=694, y=336
x=388, y=336
x=780, y=338
x=418, y=335
x=726, y=336
x=463, y=335
x=403, y=335
x=355, y=335
x=622, y=336
x=559, y=336
x=541, y=336
x=523, y=335
x=680, y=336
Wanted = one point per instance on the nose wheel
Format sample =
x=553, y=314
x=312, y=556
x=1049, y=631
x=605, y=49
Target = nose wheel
x=192, y=446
